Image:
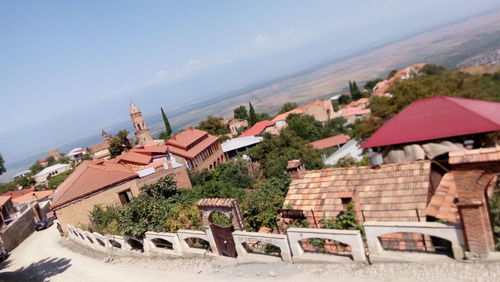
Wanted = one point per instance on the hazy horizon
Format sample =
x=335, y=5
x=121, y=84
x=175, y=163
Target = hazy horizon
x=70, y=69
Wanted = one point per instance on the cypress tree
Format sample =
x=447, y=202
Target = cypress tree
x=252, y=116
x=350, y=87
x=168, y=128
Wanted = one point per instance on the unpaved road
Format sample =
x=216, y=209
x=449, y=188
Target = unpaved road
x=44, y=256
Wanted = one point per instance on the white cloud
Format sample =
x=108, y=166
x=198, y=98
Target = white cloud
x=260, y=40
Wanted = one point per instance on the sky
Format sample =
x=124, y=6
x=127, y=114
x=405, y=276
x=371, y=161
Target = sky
x=70, y=68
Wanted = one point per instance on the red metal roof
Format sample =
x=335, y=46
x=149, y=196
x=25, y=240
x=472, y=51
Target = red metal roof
x=258, y=128
x=185, y=138
x=436, y=118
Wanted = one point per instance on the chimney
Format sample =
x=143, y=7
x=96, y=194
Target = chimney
x=295, y=168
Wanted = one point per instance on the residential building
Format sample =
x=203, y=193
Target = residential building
x=76, y=154
x=52, y=170
x=199, y=149
x=112, y=183
x=262, y=127
x=237, y=125
x=363, y=102
x=380, y=89
x=101, y=150
x=22, y=174
x=142, y=133
x=406, y=192
x=330, y=142
x=7, y=210
x=42, y=198
x=55, y=154
x=431, y=127
x=321, y=111
x=232, y=147
x=350, y=149
x=351, y=114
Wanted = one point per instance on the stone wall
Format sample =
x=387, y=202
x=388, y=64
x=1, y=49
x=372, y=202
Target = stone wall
x=19, y=229
x=290, y=249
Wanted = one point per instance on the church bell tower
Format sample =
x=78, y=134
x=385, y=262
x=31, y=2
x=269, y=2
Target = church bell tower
x=141, y=131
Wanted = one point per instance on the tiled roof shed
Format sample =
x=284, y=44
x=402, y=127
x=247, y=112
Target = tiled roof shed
x=393, y=192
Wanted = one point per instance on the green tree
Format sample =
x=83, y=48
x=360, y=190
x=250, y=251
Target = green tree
x=163, y=135
x=168, y=128
x=288, y=106
x=344, y=99
x=252, y=117
x=51, y=161
x=391, y=73
x=2, y=166
x=371, y=83
x=431, y=69
x=306, y=127
x=448, y=82
x=213, y=125
x=240, y=112
x=36, y=168
x=119, y=143
x=55, y=181
x=274, y=153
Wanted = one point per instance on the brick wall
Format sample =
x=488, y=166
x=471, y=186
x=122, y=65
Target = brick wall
x=473, y=208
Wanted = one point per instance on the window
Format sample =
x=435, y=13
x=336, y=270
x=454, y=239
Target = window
x=125, y=197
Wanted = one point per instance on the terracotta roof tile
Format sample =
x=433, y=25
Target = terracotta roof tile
x=99, y=147
x=17, y=193
x=90, y=177
x=33, y=196
x=4, y=199
x=185, y=138
x=330, y=141
x=257, y=128
x=382, y=194
x=477, y=155
x=196, y=149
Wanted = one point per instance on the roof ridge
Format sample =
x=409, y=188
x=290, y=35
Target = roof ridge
x=451, y=99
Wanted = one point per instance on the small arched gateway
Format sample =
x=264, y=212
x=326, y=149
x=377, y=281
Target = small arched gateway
x=221, y=236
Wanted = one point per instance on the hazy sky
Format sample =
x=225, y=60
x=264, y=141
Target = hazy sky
x=61, y=62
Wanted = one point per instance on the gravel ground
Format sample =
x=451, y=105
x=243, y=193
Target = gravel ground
x=44, y=256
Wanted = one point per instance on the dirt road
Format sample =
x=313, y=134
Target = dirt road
x=44, y=256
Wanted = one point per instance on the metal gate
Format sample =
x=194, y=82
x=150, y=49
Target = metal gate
x=224, y=240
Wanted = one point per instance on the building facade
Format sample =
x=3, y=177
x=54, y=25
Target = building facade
x=200, y=149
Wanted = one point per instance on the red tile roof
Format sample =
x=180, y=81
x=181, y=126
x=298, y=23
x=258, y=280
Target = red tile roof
x=258, y=128
x=99, y=147
x=293, y=164
x=134, y=158
x=393, y=192
x=90, y=177
x=185, y=138
x=358, y=102
x=442, y=204
x=475, y=156
x=17, y=193
x=33, y=196
x=351, y=111
x=196, y=149
x=436, y=118
x=330, y=141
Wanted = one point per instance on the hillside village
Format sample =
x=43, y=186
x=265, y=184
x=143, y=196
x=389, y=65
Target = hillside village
x=396, y=165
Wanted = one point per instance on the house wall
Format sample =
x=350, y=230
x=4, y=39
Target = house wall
x=77, y=213
x=179, y=174
x=19, y=229
x=320, y=113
